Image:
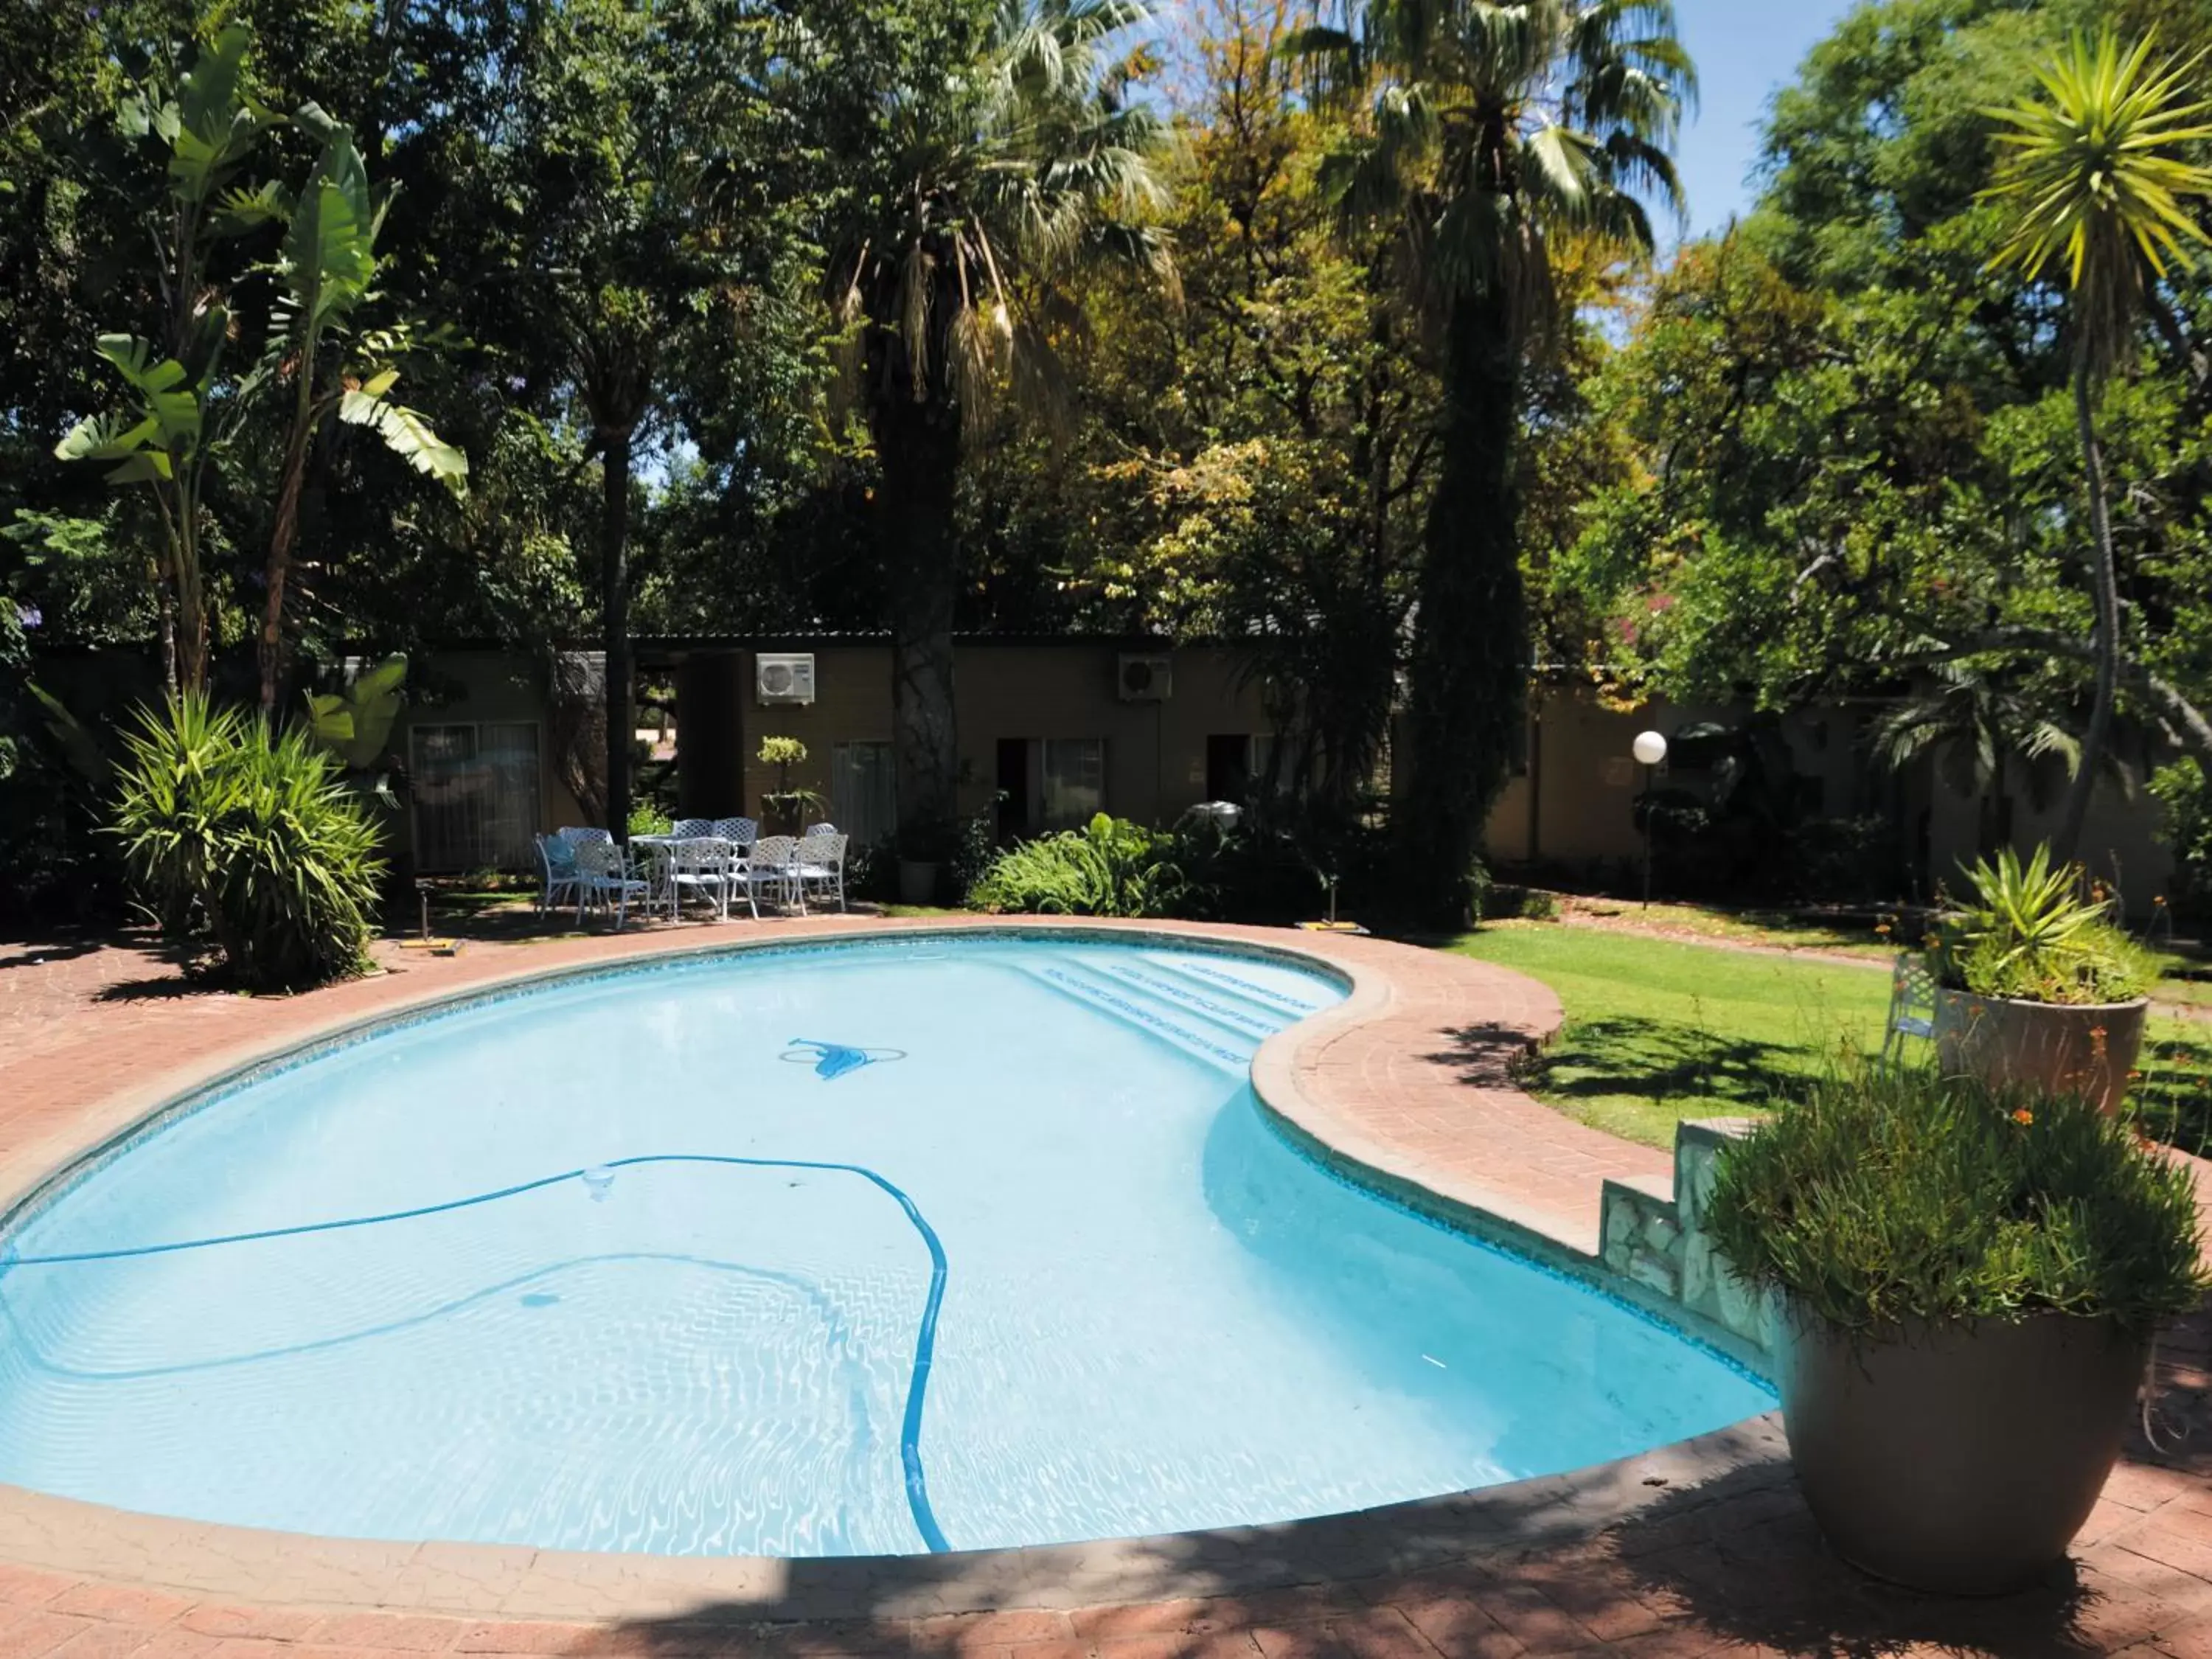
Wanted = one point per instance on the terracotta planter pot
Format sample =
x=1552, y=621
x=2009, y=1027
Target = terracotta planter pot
x=1960, y=1458
x=2087, y=1050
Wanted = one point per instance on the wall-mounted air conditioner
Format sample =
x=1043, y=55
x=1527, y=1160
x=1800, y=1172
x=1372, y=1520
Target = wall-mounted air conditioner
x=783, y=676
x=1145, y=678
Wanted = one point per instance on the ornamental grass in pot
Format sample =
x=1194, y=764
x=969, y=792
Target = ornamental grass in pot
x=2037, y=985
x=1970, y=1278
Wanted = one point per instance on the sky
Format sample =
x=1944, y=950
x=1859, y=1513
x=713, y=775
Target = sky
x=1744, y=50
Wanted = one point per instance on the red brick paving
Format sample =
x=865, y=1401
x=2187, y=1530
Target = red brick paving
x=1733, y=1566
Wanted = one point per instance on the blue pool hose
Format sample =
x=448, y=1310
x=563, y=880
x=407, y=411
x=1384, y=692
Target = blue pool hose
x=925, y=1344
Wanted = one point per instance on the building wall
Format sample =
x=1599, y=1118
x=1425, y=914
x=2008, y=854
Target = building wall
x=1574, y=800
x=1155, y=752
x=480, y=687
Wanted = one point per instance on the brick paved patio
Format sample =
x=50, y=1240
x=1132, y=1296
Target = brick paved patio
x=1704, y=1549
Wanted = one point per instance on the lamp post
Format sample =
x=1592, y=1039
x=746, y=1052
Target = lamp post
x=1649, y=749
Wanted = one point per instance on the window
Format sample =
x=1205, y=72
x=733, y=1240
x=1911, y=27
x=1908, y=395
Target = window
x=863, y=792
x=1074, y=779
x=474, y=795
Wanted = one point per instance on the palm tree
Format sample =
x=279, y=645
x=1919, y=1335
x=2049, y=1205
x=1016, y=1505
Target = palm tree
x=2096, y=176
x=1976, y=726
x=977, y=201
x=1490, y=130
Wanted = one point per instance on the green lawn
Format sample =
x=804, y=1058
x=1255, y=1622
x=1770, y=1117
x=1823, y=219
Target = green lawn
x=1658, y=1031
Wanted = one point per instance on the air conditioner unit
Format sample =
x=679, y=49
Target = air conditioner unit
x=784, y=677
x=1146, y=679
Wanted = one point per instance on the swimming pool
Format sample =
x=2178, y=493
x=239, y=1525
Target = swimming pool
x=833, y=1250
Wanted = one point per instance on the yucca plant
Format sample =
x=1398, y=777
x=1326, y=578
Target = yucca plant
x=250, y=841
x=2032, y=935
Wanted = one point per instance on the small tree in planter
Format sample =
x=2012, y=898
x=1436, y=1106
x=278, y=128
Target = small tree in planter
x=2037, y=984
x=783, y=806
x=1970, y=1279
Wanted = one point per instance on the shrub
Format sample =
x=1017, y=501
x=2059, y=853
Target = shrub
x=1881, y=1197
x=646, y=818
x=2184, y=802
x=1111, y=868
x=2031, y=935
x=250, y=842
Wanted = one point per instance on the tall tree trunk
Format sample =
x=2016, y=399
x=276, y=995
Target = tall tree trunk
x=283, y=534
x=614, y=610
x=1469, y=672
x=2104, y=585
x=918, y=445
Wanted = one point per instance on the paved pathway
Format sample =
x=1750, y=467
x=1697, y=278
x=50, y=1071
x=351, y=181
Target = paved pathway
x=1692, y=1566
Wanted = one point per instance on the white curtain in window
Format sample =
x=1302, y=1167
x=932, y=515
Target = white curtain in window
x=1074, y=773
x=863, y=799
x=475, y=790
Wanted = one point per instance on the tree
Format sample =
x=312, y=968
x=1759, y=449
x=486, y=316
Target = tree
x=1976, y=725
x=644, y=138
x=180, y=409
x=326, y=274
x=1491, y=128
x=2095, y=174
x=989, y=160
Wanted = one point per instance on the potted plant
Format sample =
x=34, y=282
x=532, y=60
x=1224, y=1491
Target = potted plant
x=784, y=808
x=2036, y=984
x=1969, y=1279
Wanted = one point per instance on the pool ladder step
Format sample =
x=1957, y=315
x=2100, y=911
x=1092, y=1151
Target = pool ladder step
x=1226, y=1048
x=1208, y=1006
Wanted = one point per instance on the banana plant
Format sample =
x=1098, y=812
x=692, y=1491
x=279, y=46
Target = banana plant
x=162, y=436
x=326, y=273
x=355, y=724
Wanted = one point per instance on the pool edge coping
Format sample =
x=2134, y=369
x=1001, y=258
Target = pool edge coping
x=510, y=1582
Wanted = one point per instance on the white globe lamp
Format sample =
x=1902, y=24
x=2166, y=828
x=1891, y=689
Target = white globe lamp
x=1649, y=749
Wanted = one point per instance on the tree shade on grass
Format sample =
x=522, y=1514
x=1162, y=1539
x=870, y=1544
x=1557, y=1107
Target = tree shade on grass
x=1658, y=1031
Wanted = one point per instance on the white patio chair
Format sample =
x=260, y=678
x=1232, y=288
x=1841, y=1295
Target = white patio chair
x=770, y=871
x=603, y=878
x=1912, y=1003
x=576, y=836
x=821, y=861
x=686, y=829
x=700, y=865
x=740, y=832
x=813, y=829
x=556, y=862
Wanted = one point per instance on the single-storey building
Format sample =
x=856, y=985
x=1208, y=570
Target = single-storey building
x=500, y=744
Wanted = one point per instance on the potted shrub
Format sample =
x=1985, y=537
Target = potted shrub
x=1969, y=1280
x=783, y=809
x=2037, y=986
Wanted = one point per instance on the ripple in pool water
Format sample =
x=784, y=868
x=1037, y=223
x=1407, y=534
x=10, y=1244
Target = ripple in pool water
x=1153, y=1315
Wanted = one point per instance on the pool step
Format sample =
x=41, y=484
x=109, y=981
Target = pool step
x=1196, y=998
x=1226, y=1048
x=1221, y=978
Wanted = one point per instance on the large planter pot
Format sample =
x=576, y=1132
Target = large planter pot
x=1956, y=1458
x=2058, y=1050
x=917, y=881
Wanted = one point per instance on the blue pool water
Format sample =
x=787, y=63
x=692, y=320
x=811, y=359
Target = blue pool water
x=864, y=1250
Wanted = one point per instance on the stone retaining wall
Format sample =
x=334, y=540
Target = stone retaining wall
x=1655, y=1240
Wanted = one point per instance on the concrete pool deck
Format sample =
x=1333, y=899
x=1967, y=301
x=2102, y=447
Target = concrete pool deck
x=1697, y=1548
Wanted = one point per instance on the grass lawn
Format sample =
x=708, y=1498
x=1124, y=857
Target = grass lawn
x=1659, y=1029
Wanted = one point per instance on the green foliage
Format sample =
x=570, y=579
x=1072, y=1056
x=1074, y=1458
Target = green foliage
x=782, y=752
x=249, y=840
x=2185, y=801
x=1880, y=1197
x=648, y=819
x=355, y=724
x=2031, y=934
x=1112, y=867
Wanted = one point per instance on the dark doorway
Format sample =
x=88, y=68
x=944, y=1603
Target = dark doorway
x=1013, y=787
x=1229, y=769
